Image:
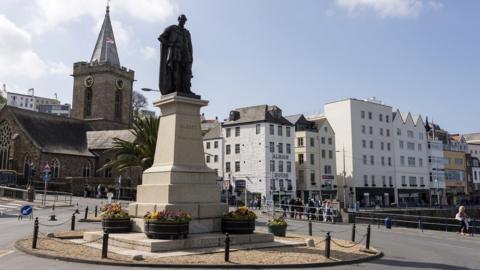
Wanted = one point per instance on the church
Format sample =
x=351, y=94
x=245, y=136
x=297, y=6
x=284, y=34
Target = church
x=75, y=148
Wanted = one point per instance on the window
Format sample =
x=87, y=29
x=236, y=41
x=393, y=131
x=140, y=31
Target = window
x=272, y=147
x=422, y=182
x=326, y=129
x=208, y=145
x=312, y=159
x=410, y=146
x=312, y=142
x=330, y=154
x=412, y=181
x=459, y=161
x=370, y=115
x=363, y=129
x=289, y=166
x=410, y=134
x=87, y=169
x=362, y=114
x=364, y=159
x=389, y=161
x=365, y=180
x=280, y=148
x=5, y=142
x=322, y=140
x=272, y=165
x=364, y=144
x=300, y=142
x=387, y=118
x=380, y=117
x=383, y=160
x=208, y=159
x=390, y=181
x=388, y=132
x=237, y=148
x=420, y=162
x=402, y=160
x=399, y=132
x=411, y=161
x=227, y=166
x=118, y=104
x=88, y=102
x=330, y=141
x=289, y=148
x=370, y=130
x=215, y=144
x=300, y=158
x=372, y=160
x=272, y=130
x=215, y=158
x=401, y=144
x=227, y=149
x=228, y=132
x=280, y=165
x=107, y=172
x=373, y=181
x=237, y=131
x=237, y=166
x=312, y=178
x=327, y=169
x=371, y=144
x=323, y=153
x=257, y=128
x=381, y=131
x=287, y=131
x=382, y=145
x=420, y=136
x=404, y=181
x=280, y=131
x=384, y=181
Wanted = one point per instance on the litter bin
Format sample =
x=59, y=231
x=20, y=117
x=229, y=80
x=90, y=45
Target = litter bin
x=388, y=223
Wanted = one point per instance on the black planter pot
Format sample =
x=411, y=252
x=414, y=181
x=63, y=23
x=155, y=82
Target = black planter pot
x=277, y=230
x=233, y=226
x=165, y=230
x=116, y=225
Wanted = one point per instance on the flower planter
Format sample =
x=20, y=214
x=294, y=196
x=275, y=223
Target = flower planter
x=165, y=230
x=234, y=226
x=116, y=225
x=277, y=230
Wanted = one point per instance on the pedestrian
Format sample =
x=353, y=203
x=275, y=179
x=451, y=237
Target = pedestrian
x=311, y=209
x=462, y=217
x=292, y=207
x=300, y=208
x=284, y=207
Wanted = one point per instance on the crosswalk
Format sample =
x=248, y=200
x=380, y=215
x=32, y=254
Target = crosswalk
x=12, y=207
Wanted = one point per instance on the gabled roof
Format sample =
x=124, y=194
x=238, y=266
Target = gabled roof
x=103, y=139
x=53, y=134
x=105, y=49
x=260, y=113
x=472, y=138
x=214, y=133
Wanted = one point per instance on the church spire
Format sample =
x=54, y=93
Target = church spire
x=105, y=49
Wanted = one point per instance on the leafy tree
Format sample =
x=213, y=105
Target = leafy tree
x=141, y=151
x=3, y=101
x=139, y=102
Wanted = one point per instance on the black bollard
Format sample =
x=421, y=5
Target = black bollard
x=86, y=213
x=105, y=245
x=353, y=232
x=96, y=210
x=310, y=228
x=72, y=225
x=35, y=233
x=76, y=210
x=327, y=245
x=227, y=247
x=420, y=223
x=367, y=244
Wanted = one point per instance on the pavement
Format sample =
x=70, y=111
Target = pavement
x=403, y=248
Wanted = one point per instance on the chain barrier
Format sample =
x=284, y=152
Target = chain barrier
x=351, y=246
x=55, y=225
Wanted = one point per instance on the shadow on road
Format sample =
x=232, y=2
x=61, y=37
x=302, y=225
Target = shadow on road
x=420, y=265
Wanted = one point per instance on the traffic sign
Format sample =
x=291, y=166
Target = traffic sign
x=26, y=210
x=46, y=168
x=46, y=177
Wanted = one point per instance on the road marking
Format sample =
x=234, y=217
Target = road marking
x=5, y=252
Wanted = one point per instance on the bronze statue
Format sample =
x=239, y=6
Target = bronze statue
x=176, y=60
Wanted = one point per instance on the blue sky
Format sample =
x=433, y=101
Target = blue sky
x=418, y=56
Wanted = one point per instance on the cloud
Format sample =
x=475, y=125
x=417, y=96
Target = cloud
x=148, y=52
x=389, y=8
x=18, y=58
x=50, y=14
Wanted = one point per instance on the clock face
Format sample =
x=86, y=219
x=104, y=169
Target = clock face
x=88, y=82
x=119, y=84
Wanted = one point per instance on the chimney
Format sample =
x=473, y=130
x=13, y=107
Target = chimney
x=56, y=96
x=31, y=92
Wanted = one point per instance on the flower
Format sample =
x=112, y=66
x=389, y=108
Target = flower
x=242, y=213
x=277, y=222
x=168, y=216
x=113, y=211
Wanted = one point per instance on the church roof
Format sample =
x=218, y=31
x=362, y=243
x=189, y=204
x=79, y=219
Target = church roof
x=103, y=139
x=214, y=133
x=53, y=134
x=106, y=49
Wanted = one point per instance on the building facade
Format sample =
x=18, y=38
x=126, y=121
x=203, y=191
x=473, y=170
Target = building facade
x=57, y=109
x=456, y=180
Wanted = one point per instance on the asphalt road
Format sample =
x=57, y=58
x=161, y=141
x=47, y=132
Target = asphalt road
x=403, y=248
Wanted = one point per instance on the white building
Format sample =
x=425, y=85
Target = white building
x=27, y=101
x=473, y=141
x=259, y=153
x=213, y=145
x=315, y=161
x=411, y=160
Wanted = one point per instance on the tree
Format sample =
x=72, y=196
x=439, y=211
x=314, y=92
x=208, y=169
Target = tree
x=139, y=102
x=3, y=101
x=141, y=151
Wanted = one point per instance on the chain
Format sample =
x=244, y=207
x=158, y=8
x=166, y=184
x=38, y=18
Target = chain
x=70, y=242
x=54, y=225
x=351, y=246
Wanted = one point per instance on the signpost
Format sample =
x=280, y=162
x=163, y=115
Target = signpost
x=46, y=172
x=118, y=184
x=26, y=210
x=109, y=196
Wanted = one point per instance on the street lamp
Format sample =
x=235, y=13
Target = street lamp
x=438, y=195
x=149, y=90
x=344, y=186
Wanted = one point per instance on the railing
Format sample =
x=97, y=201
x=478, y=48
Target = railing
x=15, y=193
x=22, y=194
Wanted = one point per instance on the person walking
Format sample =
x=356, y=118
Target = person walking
x=292, y=207
x=462, y=217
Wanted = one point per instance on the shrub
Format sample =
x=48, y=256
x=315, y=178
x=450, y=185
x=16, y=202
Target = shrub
x=168, y=216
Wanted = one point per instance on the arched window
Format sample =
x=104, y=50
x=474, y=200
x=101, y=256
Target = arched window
x=118, y=104
x=87, y=169
x=5, y=142
x=88, y=102
x=27, y=163
x=55, y=168
x=108, y=171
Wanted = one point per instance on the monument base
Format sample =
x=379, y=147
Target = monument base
x=196, y=226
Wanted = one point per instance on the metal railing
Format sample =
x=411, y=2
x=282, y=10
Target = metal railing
x=22, y=194
x=15, y=193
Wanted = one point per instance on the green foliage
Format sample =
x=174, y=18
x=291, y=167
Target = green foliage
x=280, y=222
x=141, y=151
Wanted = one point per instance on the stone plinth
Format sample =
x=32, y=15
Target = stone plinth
x=179, y=178
x=139, y=241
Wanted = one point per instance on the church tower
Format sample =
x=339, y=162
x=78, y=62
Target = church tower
x=102, y=88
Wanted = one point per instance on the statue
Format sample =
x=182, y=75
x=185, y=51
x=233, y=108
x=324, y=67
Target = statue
x=176, y=58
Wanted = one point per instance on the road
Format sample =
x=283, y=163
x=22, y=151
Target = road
x=403, y=248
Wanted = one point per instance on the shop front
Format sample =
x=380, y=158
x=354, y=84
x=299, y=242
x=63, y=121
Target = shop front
x=371, y=197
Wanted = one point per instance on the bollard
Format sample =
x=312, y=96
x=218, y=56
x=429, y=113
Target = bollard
x=105, y=245
x=86, y=213
x=53, y=207
x=473, y=227
x=353, y=232
x=367, y=244
x=72, y=225
x=76, y=210
x=227, y=247
x=96, y=210
x=310, y=228
x=420, y=223
x=35, y=233
x=327, y=245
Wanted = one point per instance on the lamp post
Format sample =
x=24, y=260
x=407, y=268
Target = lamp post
x=344, y=173
x=150, y=90
x=436, y=191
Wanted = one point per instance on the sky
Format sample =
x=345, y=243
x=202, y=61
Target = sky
x=414, y=55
